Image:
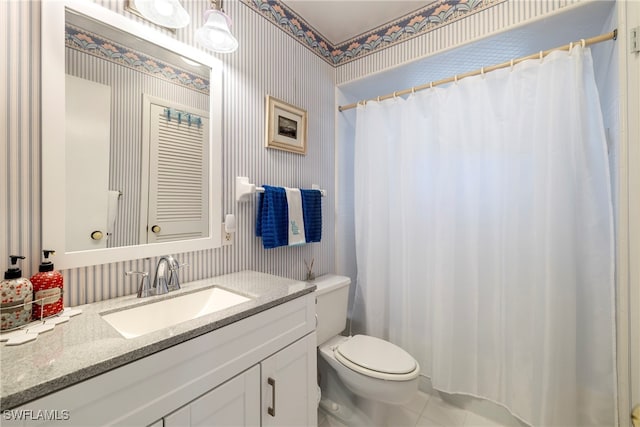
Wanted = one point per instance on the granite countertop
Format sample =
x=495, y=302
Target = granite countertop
x=87, y=345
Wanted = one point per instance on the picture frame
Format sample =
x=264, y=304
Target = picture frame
x=286, y=126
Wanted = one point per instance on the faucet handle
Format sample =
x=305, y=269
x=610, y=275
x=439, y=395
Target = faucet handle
x=174, y=279
x=144, y=289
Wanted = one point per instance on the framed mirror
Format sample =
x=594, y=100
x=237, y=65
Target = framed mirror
x=131, y=139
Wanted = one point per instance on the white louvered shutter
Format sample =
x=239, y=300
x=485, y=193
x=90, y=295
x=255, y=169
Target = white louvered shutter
x=178, y=186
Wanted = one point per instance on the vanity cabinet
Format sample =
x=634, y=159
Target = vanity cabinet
x=217, y=378
x=277, y=392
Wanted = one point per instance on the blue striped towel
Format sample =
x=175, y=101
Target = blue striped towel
x=272, y=222
x=312, y=214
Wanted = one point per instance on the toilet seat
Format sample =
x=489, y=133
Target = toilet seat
x=377, y=358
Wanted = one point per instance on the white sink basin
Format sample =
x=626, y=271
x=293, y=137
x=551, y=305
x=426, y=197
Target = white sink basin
x=143, y=319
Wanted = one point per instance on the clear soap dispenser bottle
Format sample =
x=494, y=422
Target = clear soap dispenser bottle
x=17, y=295
x=47, y=288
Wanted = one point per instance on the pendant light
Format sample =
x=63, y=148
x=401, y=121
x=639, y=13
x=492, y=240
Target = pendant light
x=166, y=13
x=215, y=34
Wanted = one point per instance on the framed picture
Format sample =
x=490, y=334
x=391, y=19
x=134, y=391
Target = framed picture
x=286, y=126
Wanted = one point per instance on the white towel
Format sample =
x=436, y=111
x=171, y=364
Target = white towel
x=296, y=221
x=112, y=211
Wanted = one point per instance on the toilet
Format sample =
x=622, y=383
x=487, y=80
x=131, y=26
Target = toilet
x=370, y=368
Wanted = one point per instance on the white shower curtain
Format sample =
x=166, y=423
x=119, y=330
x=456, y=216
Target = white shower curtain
x=484, y=238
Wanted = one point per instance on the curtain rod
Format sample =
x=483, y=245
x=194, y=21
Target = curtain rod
x=584, y=42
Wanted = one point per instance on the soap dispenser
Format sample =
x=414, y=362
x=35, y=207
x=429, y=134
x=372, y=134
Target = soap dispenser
x=47, y=288
x=17, y=295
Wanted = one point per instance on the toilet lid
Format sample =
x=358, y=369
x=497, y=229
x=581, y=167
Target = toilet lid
x=377, y=355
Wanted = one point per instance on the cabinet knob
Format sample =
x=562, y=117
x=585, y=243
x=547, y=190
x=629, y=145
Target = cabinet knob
x=272, y=409
x=97, y=235
x=156, y=229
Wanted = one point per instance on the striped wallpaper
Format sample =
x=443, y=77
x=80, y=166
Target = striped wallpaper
x=268, y=62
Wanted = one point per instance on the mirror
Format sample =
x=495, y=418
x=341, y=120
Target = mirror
x=131, y=139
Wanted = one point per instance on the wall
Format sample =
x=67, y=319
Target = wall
x=262, y=65
x=267, y=62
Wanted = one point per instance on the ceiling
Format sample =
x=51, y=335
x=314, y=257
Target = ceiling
x=341, y=20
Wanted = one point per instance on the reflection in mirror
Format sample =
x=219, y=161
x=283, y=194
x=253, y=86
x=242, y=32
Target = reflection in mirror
x=138, y=142
x=146, y=184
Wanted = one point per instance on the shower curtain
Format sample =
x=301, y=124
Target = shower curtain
x=484, y=238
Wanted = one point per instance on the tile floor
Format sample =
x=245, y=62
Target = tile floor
x=425, y=410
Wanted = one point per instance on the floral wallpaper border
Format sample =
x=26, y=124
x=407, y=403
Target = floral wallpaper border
x=421, y=21
x=96, y=45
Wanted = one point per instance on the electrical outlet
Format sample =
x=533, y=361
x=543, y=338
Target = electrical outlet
x=227, y=238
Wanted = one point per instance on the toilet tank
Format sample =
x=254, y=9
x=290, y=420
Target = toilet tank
x=332, y=296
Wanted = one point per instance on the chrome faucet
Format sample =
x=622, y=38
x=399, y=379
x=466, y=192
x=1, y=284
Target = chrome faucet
x=162, y=276
x=165, y=279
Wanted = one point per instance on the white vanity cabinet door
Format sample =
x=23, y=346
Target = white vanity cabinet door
x=289, y=385
x=233, y=404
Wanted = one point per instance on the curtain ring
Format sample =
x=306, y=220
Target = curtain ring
x=395, y=94
x=511, y=64
x=413, y=90
x=482, y=71
x=378, y=99
x=570, y=47
x=584, y=43
x=541, y=56
x=455, y=78
x=430, y=85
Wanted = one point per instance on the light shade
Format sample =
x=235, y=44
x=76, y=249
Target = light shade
x=215, y=34
x=166, y=13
